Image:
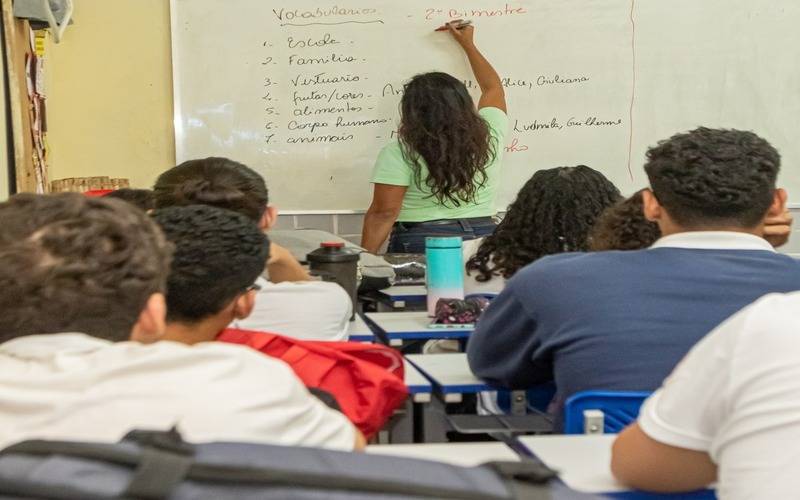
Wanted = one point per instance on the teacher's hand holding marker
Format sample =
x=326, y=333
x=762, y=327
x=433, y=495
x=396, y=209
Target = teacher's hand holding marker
x=440, y=175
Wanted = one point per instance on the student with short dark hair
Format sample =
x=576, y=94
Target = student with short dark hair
x=622, y=320
x=81, y=356
x=218, y=257
x=288, y=303
x=553, y=213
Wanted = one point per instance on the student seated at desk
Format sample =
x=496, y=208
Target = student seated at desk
x=82, y=356
x=218, y=256
x=622, y=320
x=288, y=302
x=730, y=412
x=553, y=213
x=623, y=226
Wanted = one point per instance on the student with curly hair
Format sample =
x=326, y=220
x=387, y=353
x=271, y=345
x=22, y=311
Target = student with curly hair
x=553, y=213
x=439, y=178
x=219, y=255
x=623, y=226
x=622, y=320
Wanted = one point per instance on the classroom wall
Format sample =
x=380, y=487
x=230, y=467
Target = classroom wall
x=110, y=92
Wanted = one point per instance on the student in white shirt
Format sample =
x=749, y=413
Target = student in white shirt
x=730, y=412
x=553, y=213
x=289, y=302
x=81, y=276
x=218, y=255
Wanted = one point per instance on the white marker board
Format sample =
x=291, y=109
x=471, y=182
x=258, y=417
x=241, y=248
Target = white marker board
x=307, y=91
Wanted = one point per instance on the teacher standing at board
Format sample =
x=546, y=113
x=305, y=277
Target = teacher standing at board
x=441, y=176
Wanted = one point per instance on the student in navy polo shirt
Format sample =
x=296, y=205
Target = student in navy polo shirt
x=622, y=320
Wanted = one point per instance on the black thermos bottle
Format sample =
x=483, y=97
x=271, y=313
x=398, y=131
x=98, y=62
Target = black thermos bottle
x=333, y=262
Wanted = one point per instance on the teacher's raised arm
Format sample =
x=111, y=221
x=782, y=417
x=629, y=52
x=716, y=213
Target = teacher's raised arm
x=440, y=177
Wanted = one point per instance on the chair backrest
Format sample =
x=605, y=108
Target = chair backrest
x=617, y=409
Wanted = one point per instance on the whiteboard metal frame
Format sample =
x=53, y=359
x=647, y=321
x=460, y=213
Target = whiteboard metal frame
x=322, y=212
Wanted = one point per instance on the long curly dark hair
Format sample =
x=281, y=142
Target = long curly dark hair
x=440, y=125
x=624, y=227
x=553, y=213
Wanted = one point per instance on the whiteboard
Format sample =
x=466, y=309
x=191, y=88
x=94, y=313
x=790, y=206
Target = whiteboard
x=306, y=91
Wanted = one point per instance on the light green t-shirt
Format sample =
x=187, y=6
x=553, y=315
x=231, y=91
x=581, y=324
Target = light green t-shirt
x=419, y=204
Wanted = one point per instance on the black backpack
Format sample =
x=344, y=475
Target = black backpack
x=160, y=465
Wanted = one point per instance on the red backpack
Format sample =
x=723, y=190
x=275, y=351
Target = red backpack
x=365, y=379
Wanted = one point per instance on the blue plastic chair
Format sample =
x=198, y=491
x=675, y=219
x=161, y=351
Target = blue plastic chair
x=619, y=409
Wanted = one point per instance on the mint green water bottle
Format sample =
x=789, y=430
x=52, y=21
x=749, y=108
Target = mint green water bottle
x=445, y=273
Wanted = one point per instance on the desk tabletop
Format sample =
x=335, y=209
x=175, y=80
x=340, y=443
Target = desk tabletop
x=416, y=326
x=462, y=454
x=450, y=373
x=419, y=387
x=358, y=331
x=406, y=292
x=584, y=463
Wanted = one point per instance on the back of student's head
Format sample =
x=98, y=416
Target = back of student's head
x=218, y=255
x=623, y=226
x=553, y=213
x=218, y=182
x=142, y=198
x=70, y=263
x=710, y=178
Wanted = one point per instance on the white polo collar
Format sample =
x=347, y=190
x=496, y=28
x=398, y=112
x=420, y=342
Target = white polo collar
x=714, y=240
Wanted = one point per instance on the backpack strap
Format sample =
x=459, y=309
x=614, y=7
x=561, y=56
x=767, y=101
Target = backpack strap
x=163, y=465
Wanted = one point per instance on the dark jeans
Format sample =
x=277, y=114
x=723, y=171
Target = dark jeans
x=409, y=237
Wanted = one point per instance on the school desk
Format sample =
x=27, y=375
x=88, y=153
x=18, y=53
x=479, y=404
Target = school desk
x=584, y=463
x=401, y=428
x=398, y=297
x=452, y=379
x=450, y=375
x=408, y=326
x=358, y=331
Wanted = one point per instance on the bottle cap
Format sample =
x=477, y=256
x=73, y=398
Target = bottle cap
x=443, y=242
